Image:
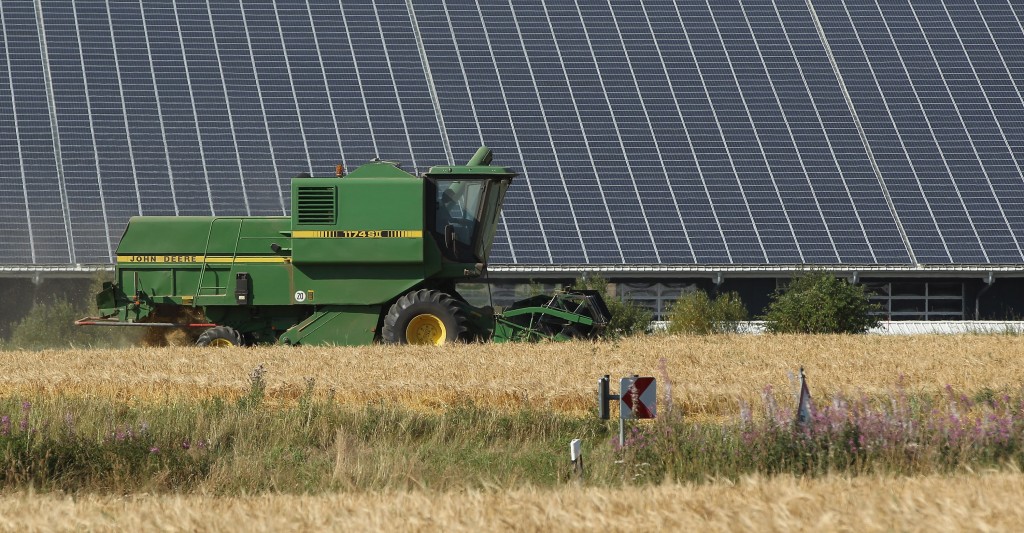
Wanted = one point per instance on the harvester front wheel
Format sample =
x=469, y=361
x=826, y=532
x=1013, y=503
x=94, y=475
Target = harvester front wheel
x=220, y=337
x=423, y=317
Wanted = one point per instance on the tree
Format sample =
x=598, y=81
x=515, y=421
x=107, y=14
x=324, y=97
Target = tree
x=628, y=318
x=696, y=313
x=820, y=303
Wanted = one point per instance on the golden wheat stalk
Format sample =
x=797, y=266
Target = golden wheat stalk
x=988, y=501
x=709, y=375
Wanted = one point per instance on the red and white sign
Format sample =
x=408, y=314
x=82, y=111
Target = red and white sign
x=637, y=397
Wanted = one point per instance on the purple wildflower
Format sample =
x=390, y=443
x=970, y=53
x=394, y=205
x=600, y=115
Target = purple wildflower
x=745, y=414
x=154, y=449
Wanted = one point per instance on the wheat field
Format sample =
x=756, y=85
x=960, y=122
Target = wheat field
x=709, y=375
x=984, y=502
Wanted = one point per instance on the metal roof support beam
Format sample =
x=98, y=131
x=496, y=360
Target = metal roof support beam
x=716, y=273
x=713, y=272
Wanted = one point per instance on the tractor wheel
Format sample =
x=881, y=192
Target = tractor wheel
x=220, y=337
x=423, y=317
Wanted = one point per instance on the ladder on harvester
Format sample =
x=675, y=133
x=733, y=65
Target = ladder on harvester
x=206, y=251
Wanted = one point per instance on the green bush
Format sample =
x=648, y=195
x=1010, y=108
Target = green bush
x=697, y=314
x=628, y=318
x=820, y=303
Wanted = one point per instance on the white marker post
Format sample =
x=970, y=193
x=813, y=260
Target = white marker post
x=576, y=456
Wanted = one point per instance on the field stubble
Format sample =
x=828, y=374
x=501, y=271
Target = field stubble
x=710, y=375
x=985, y=501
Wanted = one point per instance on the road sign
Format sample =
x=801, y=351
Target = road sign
x=637, y=397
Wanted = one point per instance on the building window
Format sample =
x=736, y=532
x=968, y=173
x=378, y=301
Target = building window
x=658, y=297
x=918, y=300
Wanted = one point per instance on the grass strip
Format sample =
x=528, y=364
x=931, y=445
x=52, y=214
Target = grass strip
x=318, y=445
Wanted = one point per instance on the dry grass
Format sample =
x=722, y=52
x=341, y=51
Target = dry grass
x=710, y=374
x=988, y=501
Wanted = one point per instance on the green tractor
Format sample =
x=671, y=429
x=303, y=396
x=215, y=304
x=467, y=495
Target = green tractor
x=374, y=256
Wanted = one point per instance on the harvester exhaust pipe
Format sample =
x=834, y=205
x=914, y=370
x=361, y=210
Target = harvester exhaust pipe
x=481, y=158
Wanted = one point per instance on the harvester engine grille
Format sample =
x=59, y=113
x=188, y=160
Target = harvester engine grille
x=317, y=206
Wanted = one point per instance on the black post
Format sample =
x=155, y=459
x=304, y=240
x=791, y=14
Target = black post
x=603, y=398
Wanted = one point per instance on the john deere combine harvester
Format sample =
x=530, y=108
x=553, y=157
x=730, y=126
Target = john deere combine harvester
x=372, y=256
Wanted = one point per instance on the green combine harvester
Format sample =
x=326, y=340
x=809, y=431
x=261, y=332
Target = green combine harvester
x=374, y=256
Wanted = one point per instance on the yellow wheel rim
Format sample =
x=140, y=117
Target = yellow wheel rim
x=426, y=330
x=221, y=343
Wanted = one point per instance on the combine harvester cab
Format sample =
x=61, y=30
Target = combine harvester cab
x=372, y=256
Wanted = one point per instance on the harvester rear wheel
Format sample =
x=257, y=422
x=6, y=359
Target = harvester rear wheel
x=423, y=317
x=220, y=337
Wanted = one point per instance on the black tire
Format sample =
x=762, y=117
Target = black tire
x=432, y=307
x=220, y=337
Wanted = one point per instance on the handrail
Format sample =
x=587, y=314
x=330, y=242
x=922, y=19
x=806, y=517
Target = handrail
x=202, y=270
x=238, y=237
x=206, y=252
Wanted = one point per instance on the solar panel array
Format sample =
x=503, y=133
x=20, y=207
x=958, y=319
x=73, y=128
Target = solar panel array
x=657, y=132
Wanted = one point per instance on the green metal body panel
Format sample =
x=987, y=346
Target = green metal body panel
x=343, y=325
x=365, y=208
x=161, y=235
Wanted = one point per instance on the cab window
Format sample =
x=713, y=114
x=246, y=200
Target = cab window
x=457, y=215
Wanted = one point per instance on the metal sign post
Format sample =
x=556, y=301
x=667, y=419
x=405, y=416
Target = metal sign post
x=604, y=397
x=637, y=399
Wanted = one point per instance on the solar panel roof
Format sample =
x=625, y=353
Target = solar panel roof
x=660, y=132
